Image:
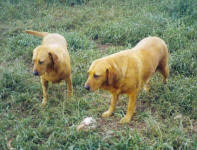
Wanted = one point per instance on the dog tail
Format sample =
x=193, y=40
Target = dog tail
x=36, y=33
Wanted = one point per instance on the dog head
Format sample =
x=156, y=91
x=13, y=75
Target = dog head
x=43, y=60
x=99, y=73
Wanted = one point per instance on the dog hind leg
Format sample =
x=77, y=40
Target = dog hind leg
x=69, y=86
x=146, y=86
x=164, y=69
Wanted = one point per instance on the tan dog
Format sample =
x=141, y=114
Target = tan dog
x=128, y=71
x=51, y=61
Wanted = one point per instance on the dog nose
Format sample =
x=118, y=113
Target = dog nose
x=35, y=73
x=87, y=87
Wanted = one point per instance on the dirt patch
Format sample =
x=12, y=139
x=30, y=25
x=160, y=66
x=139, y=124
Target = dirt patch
x=113, y=122
x=3, y=65
x=194, y=128
x=103, y=47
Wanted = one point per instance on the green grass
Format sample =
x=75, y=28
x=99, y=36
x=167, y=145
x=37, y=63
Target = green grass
x=165, y=118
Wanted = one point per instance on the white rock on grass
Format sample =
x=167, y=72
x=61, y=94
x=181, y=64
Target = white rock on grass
x=178, y=117
x=87, y=124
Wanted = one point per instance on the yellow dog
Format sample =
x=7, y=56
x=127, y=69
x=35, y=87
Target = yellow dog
x=128, y=71
x=51, y=61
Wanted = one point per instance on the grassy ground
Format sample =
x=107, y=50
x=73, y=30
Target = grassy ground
x=165, y=118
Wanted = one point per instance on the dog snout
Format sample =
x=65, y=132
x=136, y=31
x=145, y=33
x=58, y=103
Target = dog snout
x=36, y=73
x=87, y=87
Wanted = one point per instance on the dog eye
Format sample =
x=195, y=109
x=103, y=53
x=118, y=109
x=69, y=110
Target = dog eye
x=96, y=76
x=41, y=62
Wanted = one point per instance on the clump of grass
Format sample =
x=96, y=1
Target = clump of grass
x=184, y=61
x=123, y=32
x=175, y=37
x=182, y=9
x=22, y=45
x=80, y=62
x=74, y=2
x=14, y=10
x=15, y=90
x=77, y=41
x=177, y=97
x=159, y=131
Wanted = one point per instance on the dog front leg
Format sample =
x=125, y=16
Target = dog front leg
x=131, y=107
x=112, y=106
x=45, y=93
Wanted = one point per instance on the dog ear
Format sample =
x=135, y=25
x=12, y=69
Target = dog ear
x=111, y=76
x=54, y=59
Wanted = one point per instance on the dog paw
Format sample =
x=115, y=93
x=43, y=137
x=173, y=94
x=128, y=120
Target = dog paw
x=124, y=120
x=106, y=114
x=69, y=95
x=43, y=104
x=164, y=81
x=62, y=83
x=146, y=88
